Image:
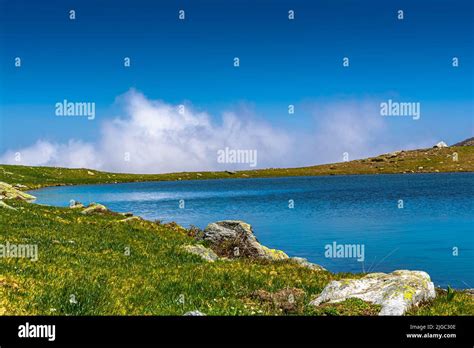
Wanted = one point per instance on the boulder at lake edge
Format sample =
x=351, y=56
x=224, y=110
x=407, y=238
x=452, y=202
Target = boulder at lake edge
x=7, y=191
x=131, y=218
x=396, y=292
x=235, y=239
x=95, y=208
x=76, y=205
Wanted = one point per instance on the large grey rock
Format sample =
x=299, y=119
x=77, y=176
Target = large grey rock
x=396, y=292
x=201, y=251
x=235, y=239
x=7, y=191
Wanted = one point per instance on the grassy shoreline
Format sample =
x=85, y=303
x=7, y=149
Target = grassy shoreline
x=84, y=269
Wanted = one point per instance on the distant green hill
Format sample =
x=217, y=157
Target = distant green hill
x=413, y=161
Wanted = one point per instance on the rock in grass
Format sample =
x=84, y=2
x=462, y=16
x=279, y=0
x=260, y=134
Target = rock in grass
x=194, y=314
x=95, y=208
x=201, y=251
x=235, y=239
x=288, y=300
x=76, y=205
x=305, y=263
x=394, y=154
x=469, y=291
x=131, y=218
x=9, y=192
x=6, y=206
x=396, y=292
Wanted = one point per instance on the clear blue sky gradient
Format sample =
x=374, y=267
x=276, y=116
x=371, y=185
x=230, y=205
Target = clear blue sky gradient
x=282, y=62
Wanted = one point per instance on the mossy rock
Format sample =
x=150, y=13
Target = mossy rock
x=396, y=292
x=201, y=251
x=235, y=239
x=7, y=191
x=95, y=208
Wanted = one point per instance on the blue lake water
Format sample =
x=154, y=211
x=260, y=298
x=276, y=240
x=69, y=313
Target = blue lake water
x=437, y=216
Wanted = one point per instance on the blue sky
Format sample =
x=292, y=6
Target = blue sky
x=282, y=62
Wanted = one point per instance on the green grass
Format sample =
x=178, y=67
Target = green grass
x=84, y=256
x=416, y=161
x=445, y=304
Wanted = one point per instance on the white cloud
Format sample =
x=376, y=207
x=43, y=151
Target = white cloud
x=353, y=127
x=72, y=154
x=159, y=139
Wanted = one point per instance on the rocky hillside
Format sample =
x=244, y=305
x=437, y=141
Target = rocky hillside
x=467, y=142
